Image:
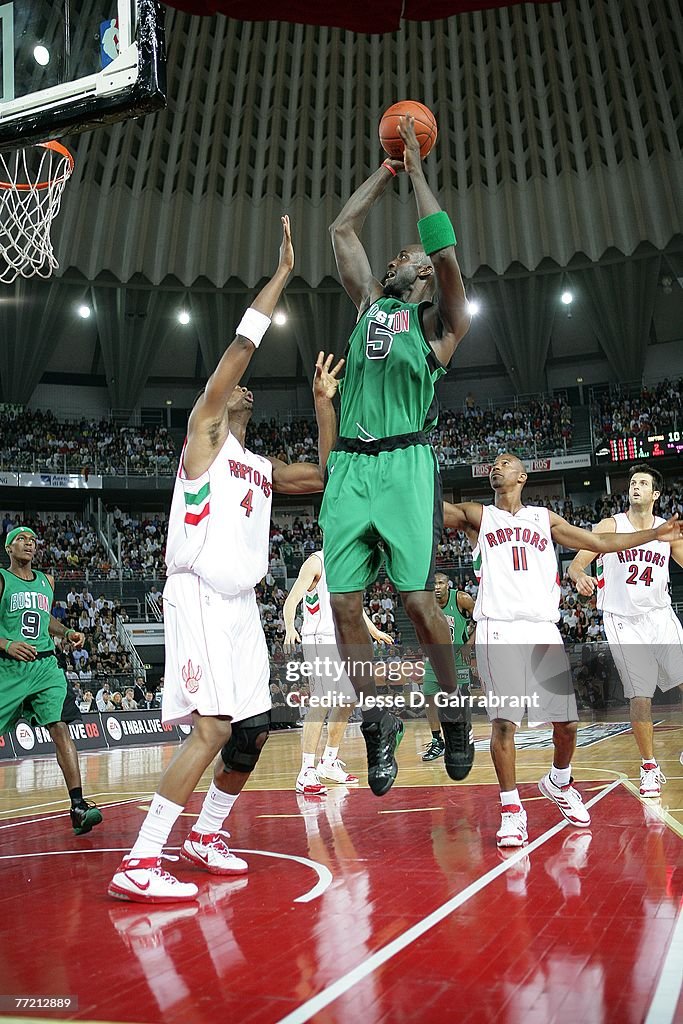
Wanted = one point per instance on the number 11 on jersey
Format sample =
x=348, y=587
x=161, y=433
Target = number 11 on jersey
x=519, y=559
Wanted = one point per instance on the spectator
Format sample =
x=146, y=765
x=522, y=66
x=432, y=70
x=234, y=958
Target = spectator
x=117, y=702
x=129, y=703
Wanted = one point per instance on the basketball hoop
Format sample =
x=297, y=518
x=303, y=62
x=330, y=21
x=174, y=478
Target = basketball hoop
x=32, y=181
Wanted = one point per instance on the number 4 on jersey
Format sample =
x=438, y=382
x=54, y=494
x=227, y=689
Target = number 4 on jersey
x=247, y=502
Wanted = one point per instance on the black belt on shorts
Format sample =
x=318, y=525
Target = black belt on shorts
x=383, y=444
x=39, y=655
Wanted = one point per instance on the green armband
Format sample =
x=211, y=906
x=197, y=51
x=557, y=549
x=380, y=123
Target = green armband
x=66, y=635
x=436, y=232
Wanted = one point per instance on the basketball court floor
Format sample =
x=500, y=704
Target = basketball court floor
x=398, y=909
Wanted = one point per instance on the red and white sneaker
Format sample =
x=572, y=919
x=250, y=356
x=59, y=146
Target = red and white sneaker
x=335, y=771
x=652, y=779
x=143, y=880
x=512, y=831
x=568, y=799
x=308, y=782
x=209, y=851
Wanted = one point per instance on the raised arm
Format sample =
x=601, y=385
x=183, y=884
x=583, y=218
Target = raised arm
x=585, y=584
x=325, y=384
x=465, y=517
x=309, y=574
x=603, y=543
x=446, y=323
x=352, y=261
x=208, y=424
x=305, y=477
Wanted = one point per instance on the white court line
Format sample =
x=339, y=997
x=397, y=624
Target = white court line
x=64, y=814
x=663, y=1006
x=324, y=874
x=312, y=1006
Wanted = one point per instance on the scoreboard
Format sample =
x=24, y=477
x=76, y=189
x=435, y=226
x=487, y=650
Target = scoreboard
x=631, y=449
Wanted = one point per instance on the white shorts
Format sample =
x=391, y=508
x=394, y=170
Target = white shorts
x=328, y=678
x=523, y=666
x=647, y=650
x=216, y=653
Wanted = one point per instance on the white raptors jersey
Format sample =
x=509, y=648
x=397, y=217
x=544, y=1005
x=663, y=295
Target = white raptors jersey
x=516, y=566
x=219, y=524
x=317, y=609
x=634, y=581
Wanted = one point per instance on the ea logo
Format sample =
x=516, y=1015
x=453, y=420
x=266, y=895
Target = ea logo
x=185, y=729
x=114, y=728
x=25, y=736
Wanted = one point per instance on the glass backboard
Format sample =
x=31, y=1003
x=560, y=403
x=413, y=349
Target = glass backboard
x=68, y=65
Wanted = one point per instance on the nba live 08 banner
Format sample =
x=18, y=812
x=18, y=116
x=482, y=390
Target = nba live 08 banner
x=93, y=732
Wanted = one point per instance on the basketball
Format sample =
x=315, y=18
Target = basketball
x=425, y=128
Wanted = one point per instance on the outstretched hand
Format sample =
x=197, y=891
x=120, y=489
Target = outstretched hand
x=670, y=531
x=412, y=160
x=325, y=381
x=286, y=247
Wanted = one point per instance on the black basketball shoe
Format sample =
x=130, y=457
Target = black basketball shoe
x=456, y=726
x=382, y=739
x=434, y=749
x=84, y=818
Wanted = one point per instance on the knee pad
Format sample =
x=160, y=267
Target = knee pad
x=248, y=737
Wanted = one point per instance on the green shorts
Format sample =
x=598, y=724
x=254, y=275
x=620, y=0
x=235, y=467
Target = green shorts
x=31, y=689
x=387, y=505
x=430, y=686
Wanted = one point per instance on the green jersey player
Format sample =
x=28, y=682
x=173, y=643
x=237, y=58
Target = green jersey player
x=383, y=494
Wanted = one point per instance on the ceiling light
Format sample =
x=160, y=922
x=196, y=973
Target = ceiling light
x=41, y=55
x=473, y=307
x=84, y=311
x=567, y=298
x=279, y=319
x=183, y=317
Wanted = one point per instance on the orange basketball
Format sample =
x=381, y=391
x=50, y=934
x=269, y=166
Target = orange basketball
x=425, y=128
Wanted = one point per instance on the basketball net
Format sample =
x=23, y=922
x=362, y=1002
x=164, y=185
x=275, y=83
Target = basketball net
x=31, y=188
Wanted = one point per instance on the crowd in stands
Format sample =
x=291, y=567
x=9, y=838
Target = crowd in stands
x=290, y=545
x=656, y=409
x=141, y=541
x=537, y=427
x=35, y=441
x=102, y=656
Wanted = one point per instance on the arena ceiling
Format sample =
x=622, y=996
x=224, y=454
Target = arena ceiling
x=559, y=159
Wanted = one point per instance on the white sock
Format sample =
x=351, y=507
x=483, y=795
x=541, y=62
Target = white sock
x=215, y=809
x=156, y=828
x=330, y=753
x=649, y=760
x=510, y=799
x=561, y=776
x=307, y=761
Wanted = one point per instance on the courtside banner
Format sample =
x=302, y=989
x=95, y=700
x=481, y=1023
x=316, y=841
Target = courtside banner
x=541, y=465
x=136, y=728
x=35, y=740
x=6, y=748
x=77, y=480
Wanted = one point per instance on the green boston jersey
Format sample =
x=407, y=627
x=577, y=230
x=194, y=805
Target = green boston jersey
x=388, y=386
x=457, y=623
x=25, y=609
